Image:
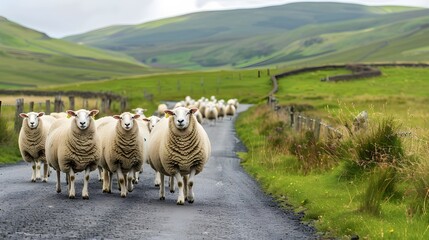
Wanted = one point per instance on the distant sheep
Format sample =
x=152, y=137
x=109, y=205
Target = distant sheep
x=211, y=113
x=161, y=108
x=139, y=111
x=230, y=110
x=122, y=151
x=179, y=146
x=31, y=141
x=73, y=146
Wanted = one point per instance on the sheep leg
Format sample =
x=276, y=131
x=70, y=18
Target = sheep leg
x=136, y=177
x=181, y=198
x=130, y=178
x=121, y=182
x=85, y=194
x=100, y=174
x=33, y=175
x=161, y=187
x=72, y=193
x=157, y=180
x=45, y=172
x=38, y=168
x=190, y=193
x=58, y=181
x=106, y=182
x=185, y=186
x=171, y=184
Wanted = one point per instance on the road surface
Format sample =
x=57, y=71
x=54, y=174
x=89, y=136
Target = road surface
x=228, y=205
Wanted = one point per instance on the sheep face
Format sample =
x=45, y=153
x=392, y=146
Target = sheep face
x=82, y=117
x=181, y=116
x=152, y=121
x=127, y=120
x=32, y=118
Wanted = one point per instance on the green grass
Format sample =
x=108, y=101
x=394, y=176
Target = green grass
x=334, y=204
x=244, y=85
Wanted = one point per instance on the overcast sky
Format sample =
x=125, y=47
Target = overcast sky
x=59, y=18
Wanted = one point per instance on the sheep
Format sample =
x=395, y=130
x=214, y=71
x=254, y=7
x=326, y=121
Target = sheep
x=233, y=101
x=31, y=141
x=122, y=151
x=179, y=146
x=211, y=113
x=58, y=114
x=161, y=108
x=230, y=110
x=72, y=145
x=139, y=111
x=221, y=109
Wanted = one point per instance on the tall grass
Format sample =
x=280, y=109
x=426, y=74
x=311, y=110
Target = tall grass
x=8, y=142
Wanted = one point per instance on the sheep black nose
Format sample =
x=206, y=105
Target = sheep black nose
x=32, y=123
x=82, y=123
x=181, y=121
x=127, y=124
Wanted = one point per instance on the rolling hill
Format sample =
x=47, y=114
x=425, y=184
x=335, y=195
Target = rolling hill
x=297, y=33
x=29, y=59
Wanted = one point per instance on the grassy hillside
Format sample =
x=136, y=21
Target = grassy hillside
x=29, y=58
x=289, y=34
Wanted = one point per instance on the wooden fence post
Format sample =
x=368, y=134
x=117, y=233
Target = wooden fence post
x=48, y=107
x=297, y=122
x=259, y=73
x=31, y=109
x=58, y=104
x=85, y=103
x=71, y=103
x=19, y=109
x=123, y=104
x=0, y=108
x=317, y=124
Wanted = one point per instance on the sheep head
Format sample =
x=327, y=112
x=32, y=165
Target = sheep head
x=151, y=121
x=82, y=117
x=32, y=118
x=139, y=111
x=181, y=116
x=126, y=120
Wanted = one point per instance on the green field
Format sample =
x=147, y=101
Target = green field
x=318, y=181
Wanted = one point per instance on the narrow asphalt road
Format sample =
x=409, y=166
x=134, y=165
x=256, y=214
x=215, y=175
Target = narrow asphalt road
x=228, y=205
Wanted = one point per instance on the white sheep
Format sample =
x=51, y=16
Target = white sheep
x=211, y=113
x=58, y=114
x=161, y=108
x=31, y=141
x=139, y=111
x=221, y=109
x=230, y=110
x=179, y=146
x=122, y=151
x=73, y=146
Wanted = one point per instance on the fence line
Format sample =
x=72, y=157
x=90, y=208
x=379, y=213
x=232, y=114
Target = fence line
x=300, y=123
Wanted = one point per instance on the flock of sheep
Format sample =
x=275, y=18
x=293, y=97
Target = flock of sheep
x=172, y=141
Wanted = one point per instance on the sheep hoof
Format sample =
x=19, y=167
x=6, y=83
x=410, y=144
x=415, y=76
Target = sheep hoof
x=172, y=191
x=71, y=196
x=45, y=180
x=85, y=197
x=33, y=180
x=38, y=178
x=135, y=181
x=105, y=191
x=123, y=195
x=162, y=198
x=180, y=202
x=100, y=180
x=156, y=184
x=59, y=191
x=190, y=200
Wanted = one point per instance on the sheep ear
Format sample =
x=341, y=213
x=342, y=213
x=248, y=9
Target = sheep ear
x=169, y=112
x=116, y=117
x=193, y=110
x=146, y=119
x=41, y=114
x=71, y=113
x=136, y=116
x=23, y=115
x=93, y=112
